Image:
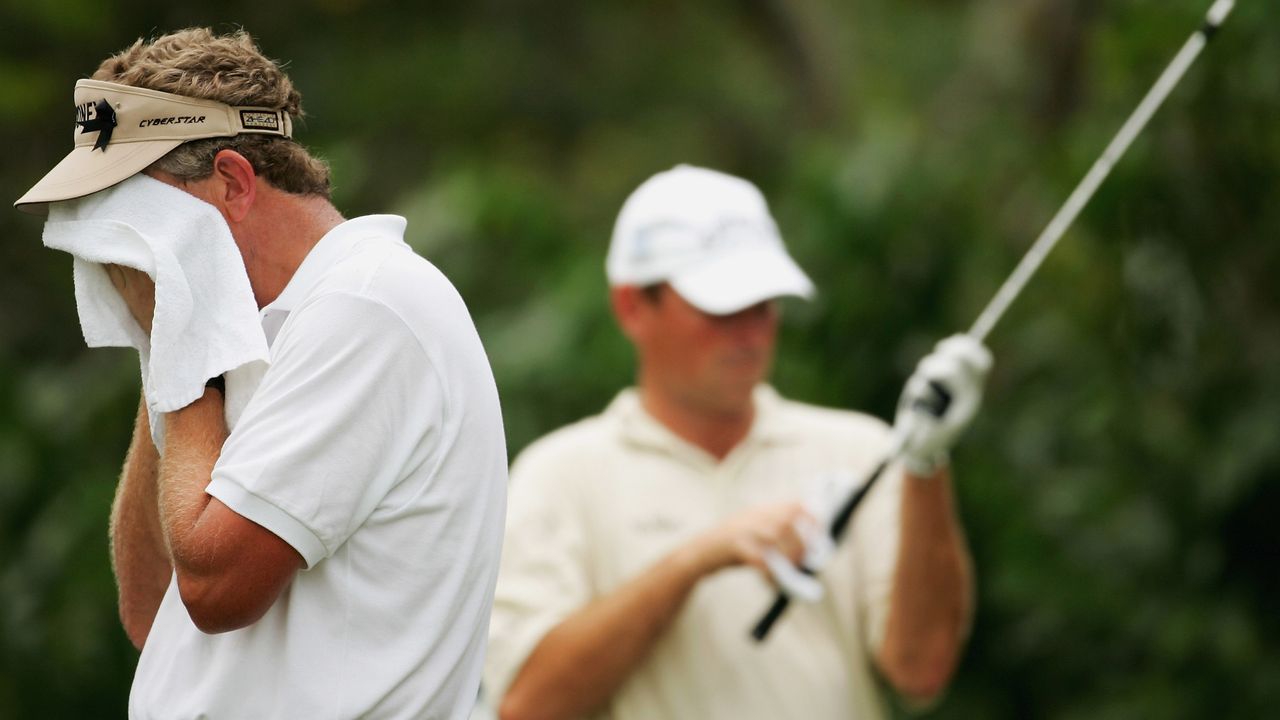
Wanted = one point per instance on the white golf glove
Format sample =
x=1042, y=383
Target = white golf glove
x=939, y=401
x=824, y=500
x=818, y=547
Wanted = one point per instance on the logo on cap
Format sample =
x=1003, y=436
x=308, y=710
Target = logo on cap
x=97, y=117
x=259, y=120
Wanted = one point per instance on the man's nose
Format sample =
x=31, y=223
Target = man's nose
x=757, y=319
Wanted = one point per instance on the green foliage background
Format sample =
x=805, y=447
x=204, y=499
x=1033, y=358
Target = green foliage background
x=1119, y=487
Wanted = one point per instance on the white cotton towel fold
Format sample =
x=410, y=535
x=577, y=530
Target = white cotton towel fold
x=206, y=320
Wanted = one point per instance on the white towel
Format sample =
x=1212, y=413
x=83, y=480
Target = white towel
x=206, y=320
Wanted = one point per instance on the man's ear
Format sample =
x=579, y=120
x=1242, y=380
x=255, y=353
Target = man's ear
x=630, y=307
x=236, y=188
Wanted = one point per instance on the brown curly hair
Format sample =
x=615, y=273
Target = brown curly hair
x=197, y=63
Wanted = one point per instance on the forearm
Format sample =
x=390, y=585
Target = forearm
x=229, y=569
x=583, y=661
x=193, y=441
x=932, y=599
x=139, y=557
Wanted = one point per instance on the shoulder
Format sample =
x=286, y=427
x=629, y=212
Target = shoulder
x=382, y=267
x=558, y=453
x=827, y=423
x=378, y=271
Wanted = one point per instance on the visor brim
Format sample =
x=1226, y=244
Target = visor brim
x=86, y=170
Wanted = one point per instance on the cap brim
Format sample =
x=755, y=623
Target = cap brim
x=742, y=279
x=86, y=170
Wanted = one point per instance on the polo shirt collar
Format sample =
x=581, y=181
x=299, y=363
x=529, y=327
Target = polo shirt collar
x=636, y=425
x=335, y=245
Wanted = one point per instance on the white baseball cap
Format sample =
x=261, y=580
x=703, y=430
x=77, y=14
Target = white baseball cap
x=710, y=236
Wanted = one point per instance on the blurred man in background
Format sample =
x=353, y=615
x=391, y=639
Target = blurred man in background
x=635, y=561
x=334, y=555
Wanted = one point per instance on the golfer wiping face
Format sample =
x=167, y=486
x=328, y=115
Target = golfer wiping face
x=643, y=543
x=332, y=556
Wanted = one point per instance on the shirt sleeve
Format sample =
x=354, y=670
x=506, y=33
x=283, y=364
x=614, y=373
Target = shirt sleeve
x=337, y=419
x=543, y=577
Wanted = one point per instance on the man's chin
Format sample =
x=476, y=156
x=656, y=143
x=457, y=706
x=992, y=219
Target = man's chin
x=743, y=376
x=737, y=395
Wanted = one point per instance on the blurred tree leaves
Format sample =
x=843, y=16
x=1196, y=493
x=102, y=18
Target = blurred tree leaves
x=1118, y=488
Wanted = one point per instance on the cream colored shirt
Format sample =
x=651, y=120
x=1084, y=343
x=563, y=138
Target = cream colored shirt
x=594, y=504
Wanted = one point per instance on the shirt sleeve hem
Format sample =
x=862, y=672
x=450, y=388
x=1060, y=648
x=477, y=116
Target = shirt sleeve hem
x=285, y=526
x=508, y=661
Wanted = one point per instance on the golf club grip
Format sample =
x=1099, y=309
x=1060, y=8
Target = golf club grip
x=838, y=525
x=775, y=611
x=840, y=522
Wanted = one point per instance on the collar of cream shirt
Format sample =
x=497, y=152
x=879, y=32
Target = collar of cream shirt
x=639, y=427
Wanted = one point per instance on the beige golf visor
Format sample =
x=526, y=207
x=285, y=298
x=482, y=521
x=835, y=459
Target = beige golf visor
x=120, y=130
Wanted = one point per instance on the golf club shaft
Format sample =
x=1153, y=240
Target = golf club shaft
x=1101, y=168
x=1040, y=249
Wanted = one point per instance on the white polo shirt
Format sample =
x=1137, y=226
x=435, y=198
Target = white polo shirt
x=374, y=446
x=596, y=503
